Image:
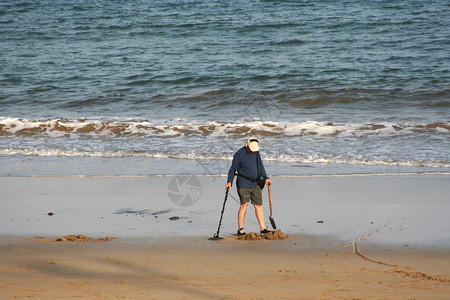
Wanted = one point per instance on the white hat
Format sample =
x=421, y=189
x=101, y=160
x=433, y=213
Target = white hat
x=252, y=144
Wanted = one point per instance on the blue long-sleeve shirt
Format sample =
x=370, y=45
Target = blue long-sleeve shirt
x=245, y=164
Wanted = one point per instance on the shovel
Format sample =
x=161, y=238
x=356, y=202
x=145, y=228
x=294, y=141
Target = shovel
x=272, y=221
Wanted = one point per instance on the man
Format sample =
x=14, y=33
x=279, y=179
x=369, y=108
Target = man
x=248, y=165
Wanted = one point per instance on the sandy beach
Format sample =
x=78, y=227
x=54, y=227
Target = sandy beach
x=300, y=267
x=350, y=237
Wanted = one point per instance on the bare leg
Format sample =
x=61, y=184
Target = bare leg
x=241, y=215
x=260, y=216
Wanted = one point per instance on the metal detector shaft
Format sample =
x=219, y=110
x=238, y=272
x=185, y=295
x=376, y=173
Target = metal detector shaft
x=216, y=236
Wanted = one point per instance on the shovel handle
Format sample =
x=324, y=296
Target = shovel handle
x=270, y=200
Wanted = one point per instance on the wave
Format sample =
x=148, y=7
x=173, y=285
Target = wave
x=196, y=156
x=179, y=128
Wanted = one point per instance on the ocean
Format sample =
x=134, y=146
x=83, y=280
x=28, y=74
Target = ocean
x=144, y=88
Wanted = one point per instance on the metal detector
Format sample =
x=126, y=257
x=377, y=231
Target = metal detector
x=216, y=236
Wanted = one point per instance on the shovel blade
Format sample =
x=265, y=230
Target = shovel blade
x=272, y=222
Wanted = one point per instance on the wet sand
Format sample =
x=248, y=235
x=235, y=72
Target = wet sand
x=395, y=209
x=301, y=267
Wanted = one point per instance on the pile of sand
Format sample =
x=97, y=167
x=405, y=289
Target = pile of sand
x=273, y=235
x=81, y=238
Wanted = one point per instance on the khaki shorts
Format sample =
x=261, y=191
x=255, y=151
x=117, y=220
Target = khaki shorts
x=250, y=194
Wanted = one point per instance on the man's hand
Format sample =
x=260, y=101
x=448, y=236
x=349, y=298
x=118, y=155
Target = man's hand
x=268, y=182
x=228, y=186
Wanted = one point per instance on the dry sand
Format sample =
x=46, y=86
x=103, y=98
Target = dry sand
x=299, y=267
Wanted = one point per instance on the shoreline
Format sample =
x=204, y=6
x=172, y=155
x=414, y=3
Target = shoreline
x=425, y=173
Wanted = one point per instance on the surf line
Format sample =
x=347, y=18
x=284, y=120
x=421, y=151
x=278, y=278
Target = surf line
x=411, y=274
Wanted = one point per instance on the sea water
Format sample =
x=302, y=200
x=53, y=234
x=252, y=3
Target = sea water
x=174, y=87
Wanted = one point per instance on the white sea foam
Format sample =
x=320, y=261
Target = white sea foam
x=304, y=159
x=180, y=127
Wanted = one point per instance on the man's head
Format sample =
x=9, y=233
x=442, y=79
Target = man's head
x=252, y=144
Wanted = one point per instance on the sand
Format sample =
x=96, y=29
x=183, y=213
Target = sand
x=272, y=235
x=349, y=237
x=301, y=267
x=400, y=209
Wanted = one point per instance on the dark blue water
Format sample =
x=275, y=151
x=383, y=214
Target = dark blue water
x=330, y=86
